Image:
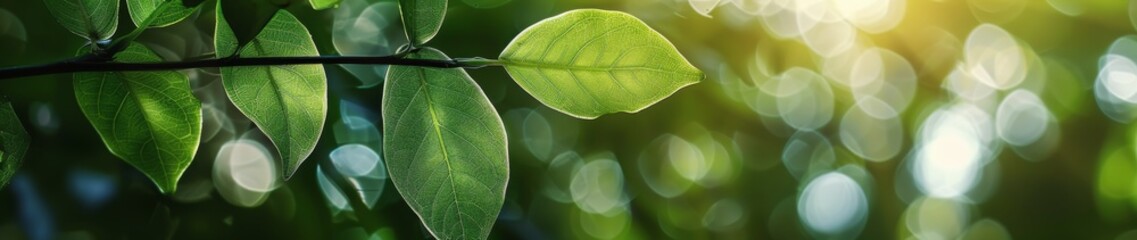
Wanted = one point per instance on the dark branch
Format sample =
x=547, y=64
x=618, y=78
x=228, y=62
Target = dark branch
x=88, y=64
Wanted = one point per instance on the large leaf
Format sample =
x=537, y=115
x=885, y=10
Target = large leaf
x=588, y=63
x=324, y=4
x=422, y=19
x=160, y=13
x=13, y=142
x=149, y=119
x=288, y=102
x=445, y=148
x=91, y=19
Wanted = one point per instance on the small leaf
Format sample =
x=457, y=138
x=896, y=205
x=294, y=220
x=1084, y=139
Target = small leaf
x=13, y=142
x=287, y=102
x=163, y=12
x=422, y=19
x=91, y=19
x=588, y=63
x=324, y=4
x=485, y=4
x=242, y=21
x=149, y=119
x=445, y=148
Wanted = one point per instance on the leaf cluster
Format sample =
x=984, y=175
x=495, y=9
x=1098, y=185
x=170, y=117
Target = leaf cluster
x=443, y=141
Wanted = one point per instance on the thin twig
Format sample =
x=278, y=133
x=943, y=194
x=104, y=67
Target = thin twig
x=87, y=64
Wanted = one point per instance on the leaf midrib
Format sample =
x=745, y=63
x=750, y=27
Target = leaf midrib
x=149, y=127
x=538, y=64
x=259, y=48
x=442, y=144
x=90, y=19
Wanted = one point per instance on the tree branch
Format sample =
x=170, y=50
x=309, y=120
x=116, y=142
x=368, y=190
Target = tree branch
x=89, y=64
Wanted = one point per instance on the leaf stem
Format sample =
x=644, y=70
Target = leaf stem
x=88, y=64
x=478, y=62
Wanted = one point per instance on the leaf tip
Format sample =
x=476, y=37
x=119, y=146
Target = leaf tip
x=288, y=172
x=169, y=188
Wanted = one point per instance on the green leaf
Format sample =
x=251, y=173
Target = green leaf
x=588, y=63
x=149, y=119
x=13, y=142
x=445, y=148
x=225, y=41
x=324, y=4
x=485, y=4
x=422, y=19
x=287, y=102
x=159, y=13
x=242, y=21
x=91, y=19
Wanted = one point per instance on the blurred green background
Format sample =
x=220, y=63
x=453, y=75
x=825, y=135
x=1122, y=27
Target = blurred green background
x=824, y=119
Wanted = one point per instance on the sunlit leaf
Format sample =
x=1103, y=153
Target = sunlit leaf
x=13, y=142
x=91, y=19
x=324, y=4
x=162, y=12
x=445, y=148
x=422, y=18
x=588, y=63
x=485, y=4
x=287, y=102
x=149, y=119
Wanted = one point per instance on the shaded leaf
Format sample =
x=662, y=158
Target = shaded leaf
x=422, y=19
x=225, y=41
x=149, y=119
x=91, y=19
x=162, y=12
x=13, y=142
x=241, y=21
x=587, y=63
x=287, y=102
x=445, y=148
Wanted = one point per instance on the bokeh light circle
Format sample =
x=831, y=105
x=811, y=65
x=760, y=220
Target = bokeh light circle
x=993, y=57
x=869, y=136
x=833, y=205
x=804, y=99
x=1022, y=118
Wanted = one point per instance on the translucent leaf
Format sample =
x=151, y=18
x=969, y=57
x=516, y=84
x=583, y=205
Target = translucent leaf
x=422, y=18
x=149, y=119
x=324, y=4
x=13, y=142
x=588, y=63
x=91, y=19
x=159, y=13
x=287, y=102
x=445, y=147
